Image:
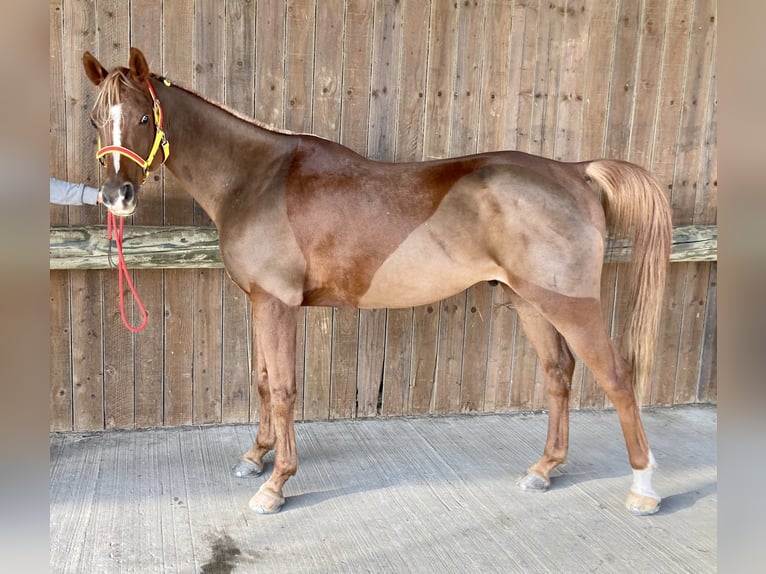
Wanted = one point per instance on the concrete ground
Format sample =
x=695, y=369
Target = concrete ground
x=385, y=495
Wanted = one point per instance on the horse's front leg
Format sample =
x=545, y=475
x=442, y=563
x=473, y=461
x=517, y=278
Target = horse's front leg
x=276, y=325
x=252, y=461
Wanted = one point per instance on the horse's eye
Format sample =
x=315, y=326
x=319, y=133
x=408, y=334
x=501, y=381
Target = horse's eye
x=144, y=119
x=93, y=123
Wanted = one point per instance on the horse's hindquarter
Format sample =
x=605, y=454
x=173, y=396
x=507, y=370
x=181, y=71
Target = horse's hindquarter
x=501, y=223
x=399, y=235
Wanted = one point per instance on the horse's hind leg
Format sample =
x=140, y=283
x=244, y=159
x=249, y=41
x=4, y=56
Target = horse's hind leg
x=558, y=365
x=252, y=461
x=579, y=320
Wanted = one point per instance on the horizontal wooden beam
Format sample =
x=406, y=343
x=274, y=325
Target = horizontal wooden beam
x=86, y=247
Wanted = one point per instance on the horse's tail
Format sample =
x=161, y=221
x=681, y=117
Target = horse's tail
x=637, y=208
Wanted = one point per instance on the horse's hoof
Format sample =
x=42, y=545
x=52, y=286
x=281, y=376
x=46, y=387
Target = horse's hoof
x=641, y=504
x=530, y=482
x=247, y=469
x=266, y=501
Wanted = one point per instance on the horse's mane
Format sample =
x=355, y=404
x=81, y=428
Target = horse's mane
x=236, y=113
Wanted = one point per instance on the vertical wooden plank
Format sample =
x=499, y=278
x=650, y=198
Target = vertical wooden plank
x=449, y=361
x=87, y=352
x=504, y=52
x=516, y=70
x=409, y=130
x=380, y=146
x=476, y=347
x=666, y=151
x=300, y=366
x=425, y=325
x=692, y=168
x=236, y=361
x=57, y=126
x=708, y=384
x=60, y=363
x=522, y=371
x=299, y=64
x=632, y=111
x=345, y=340
x=383, y=87
x=326, y=120
x=209, y=80
x=622, y=106
x=528, y=139
x=270, y=62
x=413, y=63
x=706, y=202
x=571, y=103
x=328, y=69
x=571, y=88
x=471, y=340
x=653, y=29
x=623, y=85
x=549, y=72
x=498, y=77
x=372, y=330
x=146, y=33
x=497, y=397
x=299, y=76
x=397, y=362
x=692, y=333
x=318, y=338
x=602, y=19
x=357, y=54
x=441, y=76
x=178, y=65
x=602, y=22
x=269, y=95
x=705, y=212
x=113, y=25
x=60, y=366
x=441, y=86
x=544, y=109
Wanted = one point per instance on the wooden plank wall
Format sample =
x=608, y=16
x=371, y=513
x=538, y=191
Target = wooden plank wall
x=396, y=80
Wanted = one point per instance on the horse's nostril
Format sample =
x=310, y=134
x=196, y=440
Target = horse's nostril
x=126, y=192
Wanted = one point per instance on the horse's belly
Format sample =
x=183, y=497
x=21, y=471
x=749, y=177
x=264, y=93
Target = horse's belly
x=424, y=270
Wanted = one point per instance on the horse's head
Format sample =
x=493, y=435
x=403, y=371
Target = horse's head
x=128, y=118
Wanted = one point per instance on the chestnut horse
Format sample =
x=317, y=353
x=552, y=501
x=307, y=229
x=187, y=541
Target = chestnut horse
x=306, y=221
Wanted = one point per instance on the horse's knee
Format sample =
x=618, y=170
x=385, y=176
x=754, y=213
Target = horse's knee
x=283, y=396
x=558, y=378
x=263, y=382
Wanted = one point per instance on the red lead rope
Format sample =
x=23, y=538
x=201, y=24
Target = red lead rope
x=122, y=270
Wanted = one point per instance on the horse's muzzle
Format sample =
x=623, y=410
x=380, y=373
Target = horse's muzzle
x=120, y=199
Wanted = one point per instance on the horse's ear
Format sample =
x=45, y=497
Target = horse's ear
x=139, y=69
x=93, y=68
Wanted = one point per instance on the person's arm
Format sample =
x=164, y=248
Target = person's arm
x=67, y=193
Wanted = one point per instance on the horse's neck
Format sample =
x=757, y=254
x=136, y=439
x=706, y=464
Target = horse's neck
x=212, y=152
